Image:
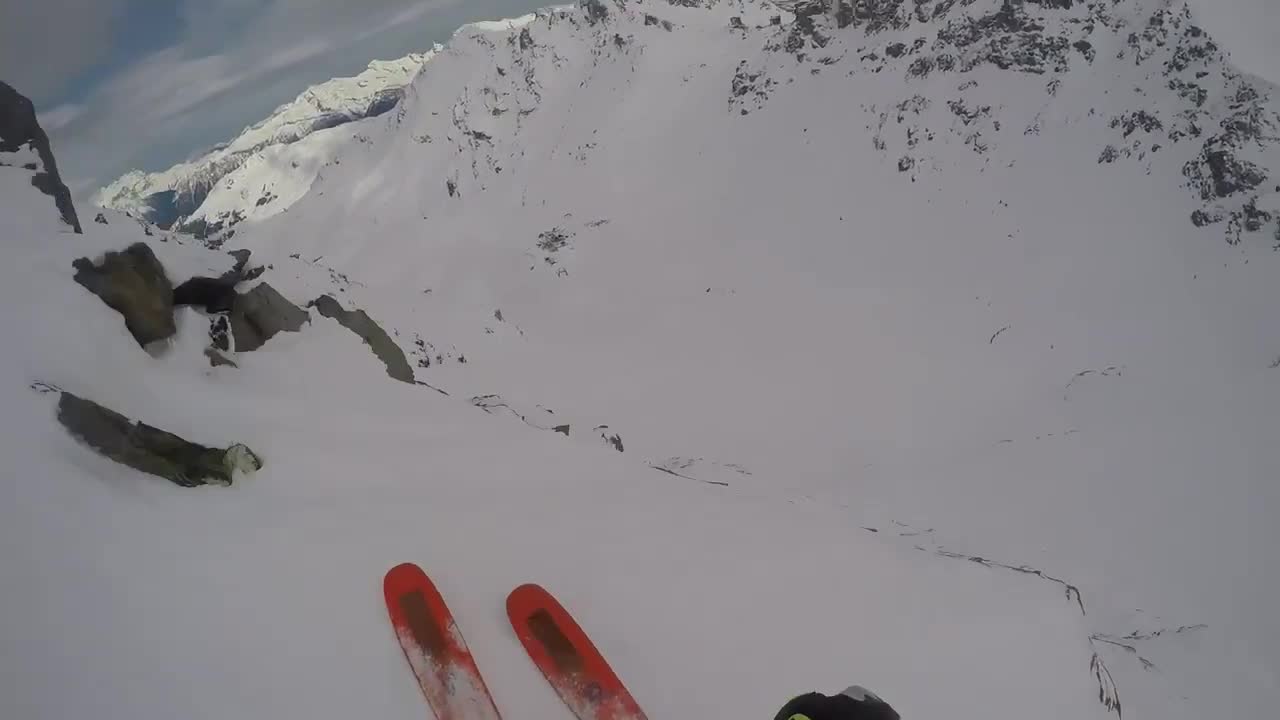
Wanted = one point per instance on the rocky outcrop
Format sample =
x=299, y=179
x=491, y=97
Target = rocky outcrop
x=19, y=127
x=1184, y=99
x=217, y=295
x=133, y=283
x=359, y=322
x=260, y=314
x=150, y=449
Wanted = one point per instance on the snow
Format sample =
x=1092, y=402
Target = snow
x=952, y=433
x=488, y=26
x=223, y=168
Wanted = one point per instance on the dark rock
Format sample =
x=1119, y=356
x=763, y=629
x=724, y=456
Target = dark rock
x=562, y=429
x=260, y=314
x=217, y=295
x=101, y=219
x=152, y=450
x=895, y=50
x=359, y=322
x=383, y=102
x=1131, y=122
x=219, y=333
x=213, y=294
x=1085, y=48
x=133, y=283
x=1230, y=174
x=920, y=67
x=19, y=127
x=594, y=10
x=872, y=15
x=552, y=240
x=242, y=259
x=1253, y=218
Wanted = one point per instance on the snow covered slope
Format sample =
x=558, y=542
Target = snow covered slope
x=889, y=349
x=273, y=160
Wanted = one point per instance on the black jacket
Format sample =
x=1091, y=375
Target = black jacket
x=853, y=704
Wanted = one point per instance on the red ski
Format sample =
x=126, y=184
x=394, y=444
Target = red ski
x=566, y=656
x=434, y=647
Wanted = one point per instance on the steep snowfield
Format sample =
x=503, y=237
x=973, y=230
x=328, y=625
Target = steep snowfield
x=916, y=384
x=124, y=597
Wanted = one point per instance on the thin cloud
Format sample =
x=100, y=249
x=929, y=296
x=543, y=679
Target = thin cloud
x=234, y=63
x=59, y=117
x=44, y=43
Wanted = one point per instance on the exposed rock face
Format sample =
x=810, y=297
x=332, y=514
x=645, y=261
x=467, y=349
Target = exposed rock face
x=259, y=314
x=213, y=294
x=1187, y=99
x=19, y=127
x=152, y=450
x=133, y=283
x=359, y=322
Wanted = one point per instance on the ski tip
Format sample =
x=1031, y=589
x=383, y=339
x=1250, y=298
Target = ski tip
x=527, y=598
x=402, y=575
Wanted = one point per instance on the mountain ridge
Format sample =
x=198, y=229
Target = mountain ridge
x=177, y=194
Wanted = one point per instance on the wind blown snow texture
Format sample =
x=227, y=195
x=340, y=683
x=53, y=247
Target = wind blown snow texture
x=911, y=390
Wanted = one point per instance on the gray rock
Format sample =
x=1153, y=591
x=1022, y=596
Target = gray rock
x=259, y=314
x=152, y=450
x=359, y=322
x=18, y=127
x=217, y=359
x=133, y=283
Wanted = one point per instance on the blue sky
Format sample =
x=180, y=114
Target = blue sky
x=122, y=84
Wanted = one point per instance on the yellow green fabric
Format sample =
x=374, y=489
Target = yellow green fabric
x=798, y=716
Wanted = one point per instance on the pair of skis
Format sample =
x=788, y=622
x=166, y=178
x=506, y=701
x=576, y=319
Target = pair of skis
x=447, y=672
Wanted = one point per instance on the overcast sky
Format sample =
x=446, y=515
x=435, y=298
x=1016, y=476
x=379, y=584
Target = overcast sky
x=121, y=84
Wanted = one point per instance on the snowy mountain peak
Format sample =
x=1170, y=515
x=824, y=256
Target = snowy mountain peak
x=261, y=156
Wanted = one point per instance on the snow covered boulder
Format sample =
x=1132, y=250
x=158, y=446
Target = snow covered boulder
x=359, y=322
x=19, y=128
x=152, y=450
x=259, y=314
x=132, y=282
